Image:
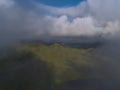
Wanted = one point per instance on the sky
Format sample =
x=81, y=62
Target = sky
x=21, y=19
x=56, y=3
x=60, y=3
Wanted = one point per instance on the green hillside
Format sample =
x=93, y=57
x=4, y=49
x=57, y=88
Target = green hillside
x=66, y=63
x=47, y=67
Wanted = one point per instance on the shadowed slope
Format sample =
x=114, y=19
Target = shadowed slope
x=24, y=72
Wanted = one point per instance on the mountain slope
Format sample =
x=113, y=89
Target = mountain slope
x=66, y=63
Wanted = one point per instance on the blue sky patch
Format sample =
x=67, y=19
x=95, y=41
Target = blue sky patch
x=60, y=3
x=56, y=3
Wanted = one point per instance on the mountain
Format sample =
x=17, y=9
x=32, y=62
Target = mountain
x=35, y=66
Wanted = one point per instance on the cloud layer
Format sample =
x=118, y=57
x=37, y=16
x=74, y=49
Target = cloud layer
x=89, y=18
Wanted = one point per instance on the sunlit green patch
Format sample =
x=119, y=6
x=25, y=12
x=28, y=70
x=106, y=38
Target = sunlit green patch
x=65, y=62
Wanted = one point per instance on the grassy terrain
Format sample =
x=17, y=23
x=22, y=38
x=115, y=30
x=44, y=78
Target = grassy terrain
x=66, y=63
x=47, y=67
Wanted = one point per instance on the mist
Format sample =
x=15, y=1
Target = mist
x=90, y=21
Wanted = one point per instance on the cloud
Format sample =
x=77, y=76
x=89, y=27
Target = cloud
x=87, y=26
x=17, y=23
x=6, y=3
x=89, y=18
x=73, y=11
x=62, y=26
x=105, y=10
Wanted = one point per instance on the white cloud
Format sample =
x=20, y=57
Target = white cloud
x=87, y=26
x=88, y=18
x=63, y=27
